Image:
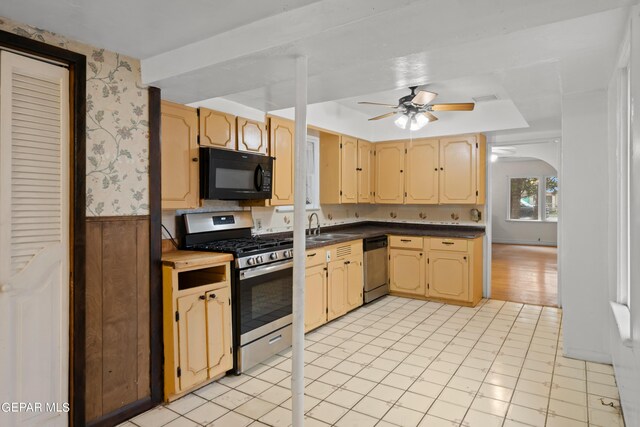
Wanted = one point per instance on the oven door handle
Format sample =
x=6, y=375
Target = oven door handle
x=262, y=270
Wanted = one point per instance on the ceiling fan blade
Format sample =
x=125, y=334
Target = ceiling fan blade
x=377, y=103
x=464, y=106
x=430, y=116
x=383, y=116
x=424, y=97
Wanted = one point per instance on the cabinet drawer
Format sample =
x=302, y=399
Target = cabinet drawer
x=315, y=257
x=458, y=245
x=406, y=242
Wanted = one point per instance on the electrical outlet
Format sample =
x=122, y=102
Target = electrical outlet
x=258, y=224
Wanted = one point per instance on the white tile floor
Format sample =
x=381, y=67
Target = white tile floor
x=403, y=362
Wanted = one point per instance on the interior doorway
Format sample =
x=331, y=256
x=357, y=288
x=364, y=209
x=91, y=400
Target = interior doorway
x=523, y=233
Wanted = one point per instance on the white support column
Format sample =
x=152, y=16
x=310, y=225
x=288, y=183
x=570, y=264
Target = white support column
x=299, y=222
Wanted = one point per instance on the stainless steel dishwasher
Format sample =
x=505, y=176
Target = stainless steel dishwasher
x=376, y=278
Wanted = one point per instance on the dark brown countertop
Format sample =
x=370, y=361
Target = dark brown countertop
x=364, y=230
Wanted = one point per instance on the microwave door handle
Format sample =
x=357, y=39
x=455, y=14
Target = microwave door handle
x=258, y=178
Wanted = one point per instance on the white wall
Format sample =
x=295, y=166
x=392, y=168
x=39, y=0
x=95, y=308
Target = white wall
x=522, y=232
x=583, y=248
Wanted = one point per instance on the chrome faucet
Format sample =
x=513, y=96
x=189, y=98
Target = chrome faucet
x=317, y=229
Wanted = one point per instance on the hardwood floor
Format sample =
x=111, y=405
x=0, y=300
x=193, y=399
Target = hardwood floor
x=526, y=274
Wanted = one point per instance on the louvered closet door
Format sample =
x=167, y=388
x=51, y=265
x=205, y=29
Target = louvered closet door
x=34, y=238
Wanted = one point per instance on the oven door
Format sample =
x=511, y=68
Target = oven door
x=233, y=175
x=265, y=300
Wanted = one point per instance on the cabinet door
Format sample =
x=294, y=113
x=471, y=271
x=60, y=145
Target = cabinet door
x=421, y=175
x=219, y=346
x=407, y=271
x=355, y=284
x=179, y=149
x=390, y=172
x=449, y=275
x=365, y=192
x=336, y=290
x=281, y=140
x=349, y=169
x=217, y=130
x=315, y=297
x=192, y=340
x=252, y=136
x=458, y=170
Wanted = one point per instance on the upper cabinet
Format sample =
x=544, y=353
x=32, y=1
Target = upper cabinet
x=390, y=172
x=349, y=169
x=252, y=136
x=365, y=172
x=281, y=141
x=458, y=163
x=217, y=130
x=179, y=152
x=421, y=176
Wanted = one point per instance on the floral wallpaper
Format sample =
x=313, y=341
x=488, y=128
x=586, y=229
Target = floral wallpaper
x=117, y=126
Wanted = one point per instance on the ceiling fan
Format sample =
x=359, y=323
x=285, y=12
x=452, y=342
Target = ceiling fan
x=415, y=109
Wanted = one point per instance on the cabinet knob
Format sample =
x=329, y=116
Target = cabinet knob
x=401, y=171
x=441, y=169
x=465, y=258
x=195, y=159
x=435, y=169
x=212, y=296
x=202, y=297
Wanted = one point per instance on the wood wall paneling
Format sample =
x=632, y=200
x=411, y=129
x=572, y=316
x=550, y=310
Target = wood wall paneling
x=118, y=314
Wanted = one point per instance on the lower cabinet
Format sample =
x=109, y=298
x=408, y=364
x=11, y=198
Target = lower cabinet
x=197, y=325
x=407, y=271
x=315, y=297
x=335, y=287
x=449, y=270
x=449, y=275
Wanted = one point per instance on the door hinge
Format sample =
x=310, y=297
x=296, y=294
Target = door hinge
x=341, y=192
x=405, y=151
x=177, y=316
x=341, y=145
x=179, y=372
x=427, y=260
x=230, y=350
x=477, y=193
x=405, y=194
x=477, y=145
x=427, y=286
x=389, y=257
x=327, y=310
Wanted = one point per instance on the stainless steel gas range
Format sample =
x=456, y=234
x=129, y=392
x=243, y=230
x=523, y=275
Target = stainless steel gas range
x=261, y=286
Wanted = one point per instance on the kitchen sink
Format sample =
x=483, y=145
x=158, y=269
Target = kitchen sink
x=326, y=237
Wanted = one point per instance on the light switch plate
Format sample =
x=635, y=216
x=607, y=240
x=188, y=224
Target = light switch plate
x=328, y=256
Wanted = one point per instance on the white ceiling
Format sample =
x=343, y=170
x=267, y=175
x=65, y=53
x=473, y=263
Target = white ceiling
x=529, y=52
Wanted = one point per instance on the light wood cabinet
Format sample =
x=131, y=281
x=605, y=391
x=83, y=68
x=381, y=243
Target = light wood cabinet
x=336, y=289
x=252, y=136
x=179, y=152
x=330, y=168
x=458, y=168
x=348, y=169
x=281, y=145
x=217, y=129
x=315, y=297
x=449, y=275
x=407, y=271
x=390, y=172
x=219, y=345
x=197, y=320
x=421, y=175
x=365, y=171
x=355, y=283
x=192, y=340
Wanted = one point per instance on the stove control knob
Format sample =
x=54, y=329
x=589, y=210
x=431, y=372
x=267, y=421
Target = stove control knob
x=251, y=261
x=273, y=256
x=259, y=259
x=286, y=254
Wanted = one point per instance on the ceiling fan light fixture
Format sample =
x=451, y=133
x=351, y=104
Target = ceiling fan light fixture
x=402, y=121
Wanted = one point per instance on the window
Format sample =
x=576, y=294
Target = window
x=529, y=201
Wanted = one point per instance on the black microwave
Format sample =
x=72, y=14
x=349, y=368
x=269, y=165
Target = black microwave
x=234, y=175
